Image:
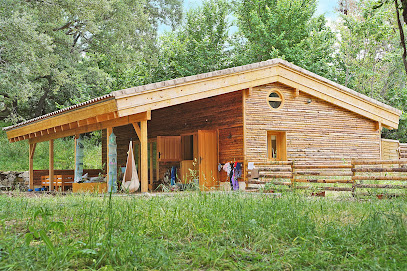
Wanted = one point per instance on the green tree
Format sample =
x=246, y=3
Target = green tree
x=201, y=44
x=285, y=29
x=56, y=53
x=368, y=57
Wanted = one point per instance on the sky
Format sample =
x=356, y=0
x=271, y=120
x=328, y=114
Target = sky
x=324, y=6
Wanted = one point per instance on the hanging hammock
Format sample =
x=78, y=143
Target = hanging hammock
x=130, y=182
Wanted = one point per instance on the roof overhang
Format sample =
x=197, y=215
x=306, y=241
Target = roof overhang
x=135, y=104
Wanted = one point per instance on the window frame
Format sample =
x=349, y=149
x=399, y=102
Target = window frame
x=281, y=145
x=280, y=99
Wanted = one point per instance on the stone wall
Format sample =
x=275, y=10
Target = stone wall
x=11, y=180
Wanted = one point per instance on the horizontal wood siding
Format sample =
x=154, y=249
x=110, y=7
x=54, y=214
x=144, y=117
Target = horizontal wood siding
x=231, y=144
x=403, y=150
x=390, y=149
x=316, y=130
x=223, y=112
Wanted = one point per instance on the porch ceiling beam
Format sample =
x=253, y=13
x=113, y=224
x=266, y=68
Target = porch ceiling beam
x=94, y=127
x=83, y=113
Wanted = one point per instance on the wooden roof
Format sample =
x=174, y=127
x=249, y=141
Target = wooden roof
x=135, y=104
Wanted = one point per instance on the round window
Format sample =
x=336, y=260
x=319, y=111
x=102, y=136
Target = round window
x=275, y=99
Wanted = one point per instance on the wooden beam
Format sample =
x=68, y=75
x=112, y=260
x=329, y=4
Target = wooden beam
x=144, y=156
x=91, y=120
x=137, y=129
x=378, y=126
x=51, y=164
x=297, y=92
x=31, y=164
x=82, y=122
x=150, y=187
x=93, y=127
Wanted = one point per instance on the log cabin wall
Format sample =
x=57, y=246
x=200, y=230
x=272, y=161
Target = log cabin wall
x=315, y=129
x=223, y=112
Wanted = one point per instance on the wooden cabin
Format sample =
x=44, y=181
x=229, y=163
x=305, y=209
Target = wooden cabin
x=266, y=111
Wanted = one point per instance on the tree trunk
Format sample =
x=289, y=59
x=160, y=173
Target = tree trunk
x=40, y=108
x=402, y=39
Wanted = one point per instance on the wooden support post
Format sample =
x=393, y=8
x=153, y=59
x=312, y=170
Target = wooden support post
x=31, y=163
x=139, y=159
x=51, y=165
x=75, y=139
x=109, y=131
x=144, y=156
x=150, y=187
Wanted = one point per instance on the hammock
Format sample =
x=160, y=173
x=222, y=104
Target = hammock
x=130, y=179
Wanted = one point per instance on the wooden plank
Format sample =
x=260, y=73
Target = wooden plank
x=379, y=178
x=331, y=166
x=93, y=127
x=275, y=175
x=379, y=162
x=51, y=164
x=319, y=173
x=384, y=186
x=325, y=188
x=269, y=181
x=379, y=169
x=323, y=181
x=144, y=156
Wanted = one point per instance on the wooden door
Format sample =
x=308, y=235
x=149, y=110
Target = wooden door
x=208, y=158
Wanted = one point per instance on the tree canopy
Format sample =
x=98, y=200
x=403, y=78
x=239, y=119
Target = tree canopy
x=57, y=53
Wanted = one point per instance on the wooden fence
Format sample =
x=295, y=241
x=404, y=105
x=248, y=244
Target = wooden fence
x=364, y=176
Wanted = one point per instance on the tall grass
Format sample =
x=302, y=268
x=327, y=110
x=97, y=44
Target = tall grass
x=202, y=231
x=14, y=156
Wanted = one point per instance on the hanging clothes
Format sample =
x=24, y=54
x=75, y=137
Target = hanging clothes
x=227, y=168
x=239, y=170
x=173, y=175
x=231, y=175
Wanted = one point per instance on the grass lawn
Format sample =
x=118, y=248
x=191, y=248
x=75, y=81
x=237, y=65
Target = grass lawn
x=201, y=231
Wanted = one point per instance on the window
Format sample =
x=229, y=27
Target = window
x=275, y=99
x=276, y=146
